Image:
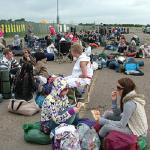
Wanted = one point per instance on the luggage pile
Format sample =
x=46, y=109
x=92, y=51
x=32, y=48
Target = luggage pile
x=83, y=136
x=121, y=64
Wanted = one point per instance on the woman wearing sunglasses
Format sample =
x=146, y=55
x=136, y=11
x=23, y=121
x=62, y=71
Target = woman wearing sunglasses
x=130, y=118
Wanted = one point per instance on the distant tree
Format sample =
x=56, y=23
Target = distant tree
x=21, y=20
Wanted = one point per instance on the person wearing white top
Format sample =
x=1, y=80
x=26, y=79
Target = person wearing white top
x=88, y=50
x=145, y=50
x=51, y=49
x=82, y=71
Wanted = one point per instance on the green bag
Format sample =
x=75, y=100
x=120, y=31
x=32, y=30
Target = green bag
x=103, y=55
x=33, y=134
x=142, y=143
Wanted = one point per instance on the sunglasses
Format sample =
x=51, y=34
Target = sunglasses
x=119, y=88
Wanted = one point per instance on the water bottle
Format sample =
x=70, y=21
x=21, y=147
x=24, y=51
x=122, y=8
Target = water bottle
x=13, y=95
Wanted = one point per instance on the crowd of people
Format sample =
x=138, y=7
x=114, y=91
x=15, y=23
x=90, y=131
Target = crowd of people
x=31, y=76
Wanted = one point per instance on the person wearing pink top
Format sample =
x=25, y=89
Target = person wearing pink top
x=75, y=39
x=1, y=32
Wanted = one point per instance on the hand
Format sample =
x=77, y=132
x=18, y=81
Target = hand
x=28, y=58
x=76, y=109
x=114, y=95
x=96, y=114
x=80, y=105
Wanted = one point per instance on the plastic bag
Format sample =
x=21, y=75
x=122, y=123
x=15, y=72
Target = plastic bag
x=89, y=139
x=142, y=143
x=33, y=134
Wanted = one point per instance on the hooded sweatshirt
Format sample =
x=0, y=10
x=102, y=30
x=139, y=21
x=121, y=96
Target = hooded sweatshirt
x=56, y=107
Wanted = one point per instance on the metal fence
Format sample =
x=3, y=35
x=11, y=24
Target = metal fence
x=12, y=28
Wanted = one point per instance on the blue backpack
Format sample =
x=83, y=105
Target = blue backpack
x=131, y=65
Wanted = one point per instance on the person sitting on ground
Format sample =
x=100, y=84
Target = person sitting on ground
x=75, y=39
x=130, y=118
x=2, y=46
x=56, y=108
x=50, y=52
x=8, y=62
x=122, y=37
x=16, y=43
x=1, y=32
x=145, y=50
x=132, y=50
x=82, y=71
x=88, y=49
x=136, y=39
x=48, y=40
x=40, y=71
x=27, y=57
x=122, y=47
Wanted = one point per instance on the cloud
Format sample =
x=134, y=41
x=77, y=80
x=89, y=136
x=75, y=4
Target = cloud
x=106, y=11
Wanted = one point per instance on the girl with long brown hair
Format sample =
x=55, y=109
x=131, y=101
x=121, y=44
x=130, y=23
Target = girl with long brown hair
x=130, y=118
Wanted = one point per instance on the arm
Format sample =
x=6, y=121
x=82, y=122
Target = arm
x=129, y=108
x=59, y=118
x=83, y=66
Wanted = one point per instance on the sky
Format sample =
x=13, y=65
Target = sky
x=77, y=11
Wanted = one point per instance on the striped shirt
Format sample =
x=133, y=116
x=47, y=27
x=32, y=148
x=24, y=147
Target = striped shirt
x=9, y=64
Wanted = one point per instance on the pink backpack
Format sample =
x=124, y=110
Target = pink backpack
x=120, y=141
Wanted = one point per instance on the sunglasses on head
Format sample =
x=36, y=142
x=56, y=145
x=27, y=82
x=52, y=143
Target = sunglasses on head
x=119, y=88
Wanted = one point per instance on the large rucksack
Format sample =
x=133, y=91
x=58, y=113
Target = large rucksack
x=132, y=67
x=120, y=141
x=89, y=139
x=5, y=87
x=24, y=83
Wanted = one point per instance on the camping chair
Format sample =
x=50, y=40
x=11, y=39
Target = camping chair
x=63, y=54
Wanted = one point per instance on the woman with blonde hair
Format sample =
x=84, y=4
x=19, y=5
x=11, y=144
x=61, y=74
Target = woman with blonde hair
x=82, y=71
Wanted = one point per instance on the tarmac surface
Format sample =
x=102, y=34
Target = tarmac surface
x=11, y=132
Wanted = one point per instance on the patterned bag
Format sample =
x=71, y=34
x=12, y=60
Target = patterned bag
x=65, y=137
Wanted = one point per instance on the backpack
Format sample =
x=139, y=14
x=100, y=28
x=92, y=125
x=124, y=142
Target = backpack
x=131, y=64
x=24, y=83
x=5, y=86
x=120, y=141
x=89, y=139
x=132, y=67
x=65, y=137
